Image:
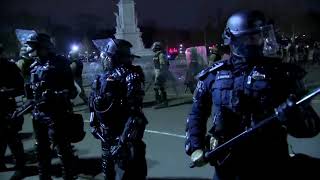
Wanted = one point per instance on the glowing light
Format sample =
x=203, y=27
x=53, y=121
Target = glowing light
x=173, y=50
x=75, y=48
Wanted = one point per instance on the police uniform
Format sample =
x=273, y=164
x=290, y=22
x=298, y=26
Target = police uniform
x=52, y=87
x=24, y=63
x=116, y=114
x=161, y=72
x=194, y=67
x=11, y=84
x=240, y=92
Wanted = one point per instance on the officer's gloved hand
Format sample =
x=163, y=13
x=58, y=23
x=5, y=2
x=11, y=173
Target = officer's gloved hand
x=96, y=133
x=197, y=157
x=48, y=94
x=283, y=111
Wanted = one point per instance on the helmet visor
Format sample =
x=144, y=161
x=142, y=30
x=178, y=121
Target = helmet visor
x=260, y=42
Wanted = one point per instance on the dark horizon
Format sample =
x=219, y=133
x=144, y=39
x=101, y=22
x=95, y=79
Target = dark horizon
x=191, y=14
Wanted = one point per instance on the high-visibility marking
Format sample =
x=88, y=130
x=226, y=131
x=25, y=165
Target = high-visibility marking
x=159, y=132
x=165, y=133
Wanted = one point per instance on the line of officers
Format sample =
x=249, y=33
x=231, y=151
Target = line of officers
x=237, y=93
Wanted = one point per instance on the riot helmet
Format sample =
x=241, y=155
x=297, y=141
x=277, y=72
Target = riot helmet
x=118, y=52
x=73, y=55
x=39, y=41
x=156, y=46
x=248, y=35
x=24, y=51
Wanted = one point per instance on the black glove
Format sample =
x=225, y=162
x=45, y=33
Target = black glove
x=197, y=157
x=96, y=133
x=284, y=110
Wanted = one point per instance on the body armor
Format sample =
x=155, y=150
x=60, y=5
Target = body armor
x=11, y=85
x=116, y=99
x=52, y=87
x=242, y=94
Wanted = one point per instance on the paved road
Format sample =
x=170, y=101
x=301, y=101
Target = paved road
x=164, y=138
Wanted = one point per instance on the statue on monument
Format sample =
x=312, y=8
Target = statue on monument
x=118, y=21
x=127, y=27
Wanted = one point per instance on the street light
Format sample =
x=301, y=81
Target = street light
x=74, y=48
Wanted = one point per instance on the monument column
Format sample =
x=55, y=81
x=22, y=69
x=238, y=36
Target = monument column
x=127, y=27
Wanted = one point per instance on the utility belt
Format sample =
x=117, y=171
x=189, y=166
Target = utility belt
x=111, y=128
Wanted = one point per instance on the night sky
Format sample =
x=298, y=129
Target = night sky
x=172, y=21
x=161, y=13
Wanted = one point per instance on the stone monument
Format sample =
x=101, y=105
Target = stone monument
x=127, y=27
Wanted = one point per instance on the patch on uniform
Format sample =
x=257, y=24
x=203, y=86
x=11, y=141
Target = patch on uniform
x=223, y=75
x=257, y=75
x=249, y=80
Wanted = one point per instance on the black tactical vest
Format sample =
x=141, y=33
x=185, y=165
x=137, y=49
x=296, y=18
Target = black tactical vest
x=241, y=98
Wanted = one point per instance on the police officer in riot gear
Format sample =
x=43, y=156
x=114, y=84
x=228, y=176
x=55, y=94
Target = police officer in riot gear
x=116, y=113
x=24, y=62
x=161, y=68
x=240, y=92
x=194, y=67
x=52, y=87
x=11, y=86
x=76, y=66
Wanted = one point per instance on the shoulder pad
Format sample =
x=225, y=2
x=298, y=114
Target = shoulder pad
x=204, y=73
x=136, y=72
x=132, y=76
x=119, y=73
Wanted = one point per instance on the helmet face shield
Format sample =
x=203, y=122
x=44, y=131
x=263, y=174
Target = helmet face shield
x=107, y=63
x=25, y=50
x=270, y=46
x=255, y=43
x=30, y=50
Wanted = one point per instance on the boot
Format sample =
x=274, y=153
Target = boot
x=65, y=154
x=164, y=102
x=44, y=162
x=21, y=171
x=157, y=96
x=108, y=166
x=17, y=150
